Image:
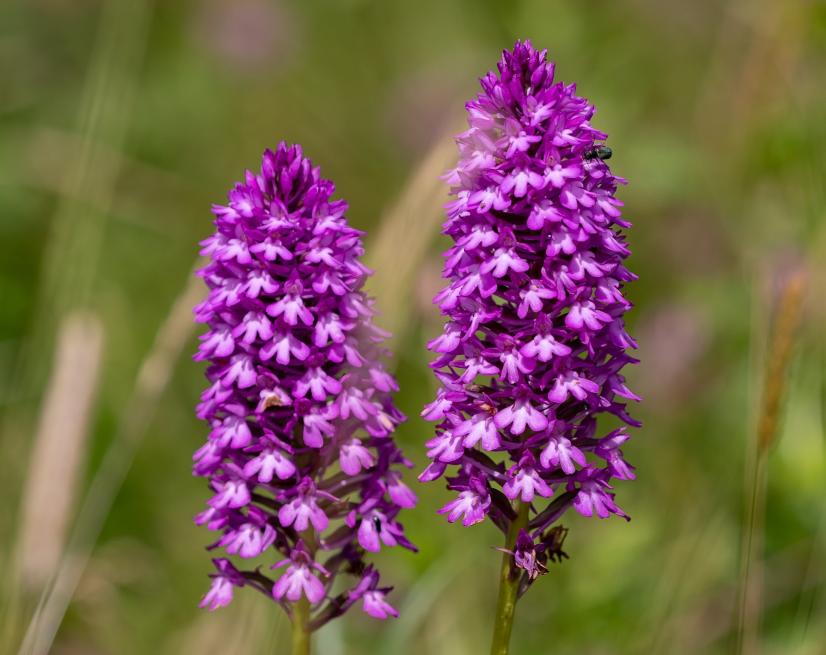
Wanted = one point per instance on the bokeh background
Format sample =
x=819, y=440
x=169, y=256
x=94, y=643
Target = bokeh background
x=121, y=122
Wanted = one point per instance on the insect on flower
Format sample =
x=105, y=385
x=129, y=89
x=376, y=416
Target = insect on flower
x=599, y=152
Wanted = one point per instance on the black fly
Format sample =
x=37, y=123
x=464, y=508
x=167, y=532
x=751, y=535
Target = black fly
x=599, y=152
x=377, y=523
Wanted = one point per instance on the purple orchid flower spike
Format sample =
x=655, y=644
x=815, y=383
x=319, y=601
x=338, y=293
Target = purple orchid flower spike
x=535, y=337
x=300, y=456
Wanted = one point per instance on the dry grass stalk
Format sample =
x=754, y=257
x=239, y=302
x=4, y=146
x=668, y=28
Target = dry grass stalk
x=72, y=247
x=57, y=457
x=780, y=357
x=150, y=384
x=775, y=382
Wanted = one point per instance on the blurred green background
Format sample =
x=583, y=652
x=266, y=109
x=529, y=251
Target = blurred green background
x=121, y=122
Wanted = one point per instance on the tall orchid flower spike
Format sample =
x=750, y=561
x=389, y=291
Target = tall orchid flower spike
x=535, y=341
x=300, y=457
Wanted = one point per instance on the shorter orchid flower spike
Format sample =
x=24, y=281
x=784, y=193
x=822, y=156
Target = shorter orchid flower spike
x=300, y=458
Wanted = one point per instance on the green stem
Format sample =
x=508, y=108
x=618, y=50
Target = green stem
x=508, y=586
x=301, y=634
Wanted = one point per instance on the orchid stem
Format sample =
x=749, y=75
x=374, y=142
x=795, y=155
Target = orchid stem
x=508, y=585
x=301, y=632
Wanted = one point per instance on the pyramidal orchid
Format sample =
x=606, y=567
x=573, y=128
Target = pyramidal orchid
x=535, y=339
x=300, y=458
